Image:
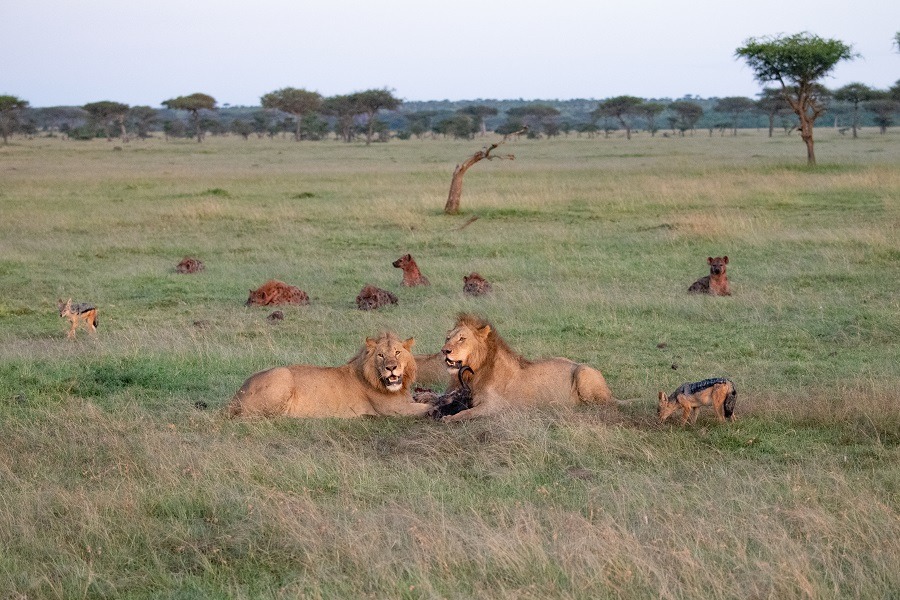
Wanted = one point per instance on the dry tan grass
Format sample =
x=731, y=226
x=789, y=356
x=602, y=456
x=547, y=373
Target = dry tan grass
x=112, y=483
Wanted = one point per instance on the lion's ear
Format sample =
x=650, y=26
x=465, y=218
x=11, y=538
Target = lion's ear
x=371, y=343
x=408, y=344
x=484, y=332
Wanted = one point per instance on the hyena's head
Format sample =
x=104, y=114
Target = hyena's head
x=717, y=264
x=403, y=262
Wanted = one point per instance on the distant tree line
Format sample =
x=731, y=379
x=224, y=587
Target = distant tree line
x=794, y=63
x=308, y=116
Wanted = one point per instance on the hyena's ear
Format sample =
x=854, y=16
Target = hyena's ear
x=725, y=258
x=709, y=260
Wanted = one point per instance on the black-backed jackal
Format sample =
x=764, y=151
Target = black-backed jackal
x=78, y=312
x=718, y=392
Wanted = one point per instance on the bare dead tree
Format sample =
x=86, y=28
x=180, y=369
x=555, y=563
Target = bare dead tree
x=452, y=206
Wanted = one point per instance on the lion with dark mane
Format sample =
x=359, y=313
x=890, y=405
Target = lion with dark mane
x=374, y=382
x=504, y=379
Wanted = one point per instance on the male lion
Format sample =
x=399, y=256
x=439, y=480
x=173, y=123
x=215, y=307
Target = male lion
x=374, y=382
x=504, y=379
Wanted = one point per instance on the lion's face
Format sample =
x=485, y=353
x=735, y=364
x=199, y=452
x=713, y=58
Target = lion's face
x=389, y=362
x=464, y=347
x=665, y=409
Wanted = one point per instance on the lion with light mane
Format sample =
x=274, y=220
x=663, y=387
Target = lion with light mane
x=504, y=379
x=374, y=382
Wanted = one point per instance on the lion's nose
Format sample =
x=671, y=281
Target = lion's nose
x=446, y=351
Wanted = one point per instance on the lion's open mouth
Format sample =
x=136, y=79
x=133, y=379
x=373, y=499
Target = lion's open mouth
x=454, y=364
x=392, y=379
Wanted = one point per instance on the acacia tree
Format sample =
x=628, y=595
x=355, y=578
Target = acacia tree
x=619, y=108
x=370, y=102
x=106, y=114
x=733, y=106
x=772, y=103
x=855, y=94
x=883, y=108
x=687, y=114
x=142, y=118
x=651, y=110
x=534, y=116
x=479, y=112
x=193, y=104
x=344, y=108
x=460, y=126
x=420, y=122
x=797, y=62
x=10, y=107
x=297, y=102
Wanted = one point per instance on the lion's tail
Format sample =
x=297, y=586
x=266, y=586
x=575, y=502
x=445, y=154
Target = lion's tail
x=233, y=409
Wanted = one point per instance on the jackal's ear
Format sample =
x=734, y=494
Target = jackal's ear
x=663, y=397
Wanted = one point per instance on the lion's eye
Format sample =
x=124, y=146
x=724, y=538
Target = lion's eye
x=462, y=339
x=448, y=339
x=397, y=353
x=380, y=355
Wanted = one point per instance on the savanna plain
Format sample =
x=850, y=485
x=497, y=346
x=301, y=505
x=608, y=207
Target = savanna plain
x=119, y=478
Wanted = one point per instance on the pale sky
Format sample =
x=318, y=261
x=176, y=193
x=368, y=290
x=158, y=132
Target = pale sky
x=62, y=52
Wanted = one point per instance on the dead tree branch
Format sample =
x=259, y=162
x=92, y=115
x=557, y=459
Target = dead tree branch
x=452, y=206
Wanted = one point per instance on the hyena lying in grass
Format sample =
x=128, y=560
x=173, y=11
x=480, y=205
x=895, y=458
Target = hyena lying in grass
x=716, y=283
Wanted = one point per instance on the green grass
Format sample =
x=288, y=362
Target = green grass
x=119, y=479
